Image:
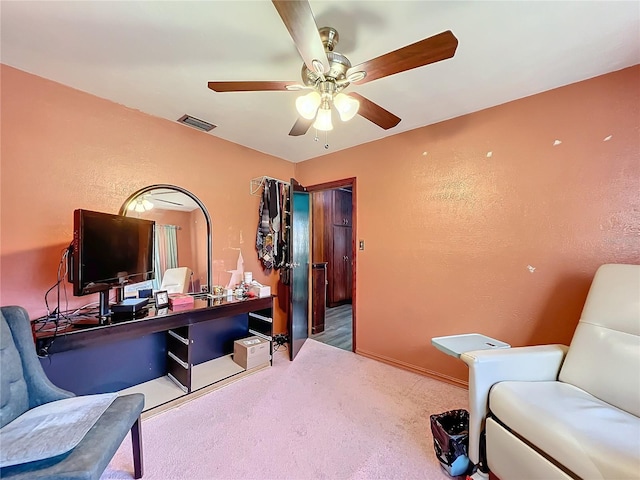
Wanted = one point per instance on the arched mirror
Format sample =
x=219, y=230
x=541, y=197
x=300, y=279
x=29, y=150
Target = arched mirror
x=183, y=236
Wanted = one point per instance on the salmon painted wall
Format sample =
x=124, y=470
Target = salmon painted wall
x=63, y=149
x=493, y=222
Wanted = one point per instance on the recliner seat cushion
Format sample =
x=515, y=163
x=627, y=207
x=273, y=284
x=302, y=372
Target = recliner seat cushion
x=584, y=434
x=89, y=459
x=51, y=429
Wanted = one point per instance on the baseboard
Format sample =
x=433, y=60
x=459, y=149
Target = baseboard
x=412, y=368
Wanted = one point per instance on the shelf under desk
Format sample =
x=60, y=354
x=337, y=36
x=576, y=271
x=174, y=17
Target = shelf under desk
x=162, y=393
x=142, y=355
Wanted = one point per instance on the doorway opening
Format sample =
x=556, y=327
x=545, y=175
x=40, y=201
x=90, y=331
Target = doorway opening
x=333, y=263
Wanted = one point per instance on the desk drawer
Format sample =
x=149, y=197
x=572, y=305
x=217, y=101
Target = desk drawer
x=178, y=348
x=179, y=372
x=179, y=357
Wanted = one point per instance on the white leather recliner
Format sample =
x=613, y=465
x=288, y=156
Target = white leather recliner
x=553, y=411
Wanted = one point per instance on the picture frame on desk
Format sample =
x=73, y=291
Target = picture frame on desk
x=161, y=298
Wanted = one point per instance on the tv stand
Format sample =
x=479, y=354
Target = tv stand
x=169, y=356
x=104, y=312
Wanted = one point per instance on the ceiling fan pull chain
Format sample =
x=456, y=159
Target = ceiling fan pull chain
x=316, y=139
x=326, y=140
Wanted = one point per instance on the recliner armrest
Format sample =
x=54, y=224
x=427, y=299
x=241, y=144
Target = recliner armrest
x=488, y=367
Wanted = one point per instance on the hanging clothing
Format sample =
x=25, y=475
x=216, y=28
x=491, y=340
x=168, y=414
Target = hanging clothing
x=271, y=243
x=264, y=237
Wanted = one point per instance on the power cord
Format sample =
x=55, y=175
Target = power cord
x=62, y=271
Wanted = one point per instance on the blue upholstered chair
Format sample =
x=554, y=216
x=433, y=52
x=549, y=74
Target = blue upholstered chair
x=24, y=389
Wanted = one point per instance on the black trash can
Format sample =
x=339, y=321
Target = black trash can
x=451, y=439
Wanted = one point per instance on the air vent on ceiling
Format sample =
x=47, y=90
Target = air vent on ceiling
x=196, y=123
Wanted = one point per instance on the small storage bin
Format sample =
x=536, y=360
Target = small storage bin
x=450, y=440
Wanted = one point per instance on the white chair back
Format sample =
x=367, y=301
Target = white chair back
x=176, y=280
x=604, y=355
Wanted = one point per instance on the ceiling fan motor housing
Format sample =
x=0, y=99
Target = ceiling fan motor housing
x=338, y=63
x=338, y=66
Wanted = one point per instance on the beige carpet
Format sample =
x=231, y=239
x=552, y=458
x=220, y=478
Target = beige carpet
x=330, y=414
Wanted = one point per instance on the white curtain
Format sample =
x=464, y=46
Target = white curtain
x=166, y=251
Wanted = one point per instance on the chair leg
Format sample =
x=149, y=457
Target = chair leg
x=136, y=441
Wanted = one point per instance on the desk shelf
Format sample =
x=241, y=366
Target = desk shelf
x=214, y=371
x=162, y=393
x=156, y=392
x=169, y=358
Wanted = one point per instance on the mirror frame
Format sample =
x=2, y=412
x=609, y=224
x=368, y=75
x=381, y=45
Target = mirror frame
x=125, y=206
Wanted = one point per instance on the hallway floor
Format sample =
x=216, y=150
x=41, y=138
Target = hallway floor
x=337, y=328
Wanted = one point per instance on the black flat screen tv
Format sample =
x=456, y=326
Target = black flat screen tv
x=109, y=251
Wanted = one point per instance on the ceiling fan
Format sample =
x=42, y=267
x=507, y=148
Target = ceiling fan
x=326, y=73
x=147, y=201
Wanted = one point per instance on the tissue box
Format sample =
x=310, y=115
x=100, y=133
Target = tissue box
x=251, y=352
x=180, y=300
x=260, y=290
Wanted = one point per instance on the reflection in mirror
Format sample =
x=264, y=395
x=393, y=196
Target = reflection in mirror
x=182, y=241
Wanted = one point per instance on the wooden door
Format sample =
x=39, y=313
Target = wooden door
x=341, y=265
x=341, y=207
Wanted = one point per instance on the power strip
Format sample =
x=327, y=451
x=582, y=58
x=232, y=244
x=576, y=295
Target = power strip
x=281, y=339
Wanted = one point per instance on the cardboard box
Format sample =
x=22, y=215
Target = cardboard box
x=260, y=290
x=251, y=352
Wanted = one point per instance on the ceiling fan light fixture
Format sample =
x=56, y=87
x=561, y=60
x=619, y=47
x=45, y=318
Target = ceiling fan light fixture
x=323, y=120
x=140, y=205
x=318, y=67
x=307, y=105
x=356, y=76
x=347, y=106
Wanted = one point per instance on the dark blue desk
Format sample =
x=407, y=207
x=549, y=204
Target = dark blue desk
x=130, y=351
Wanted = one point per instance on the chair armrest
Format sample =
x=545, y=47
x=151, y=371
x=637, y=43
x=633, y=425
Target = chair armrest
x=488, y=367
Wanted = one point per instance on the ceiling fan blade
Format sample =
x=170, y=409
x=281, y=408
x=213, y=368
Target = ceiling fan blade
x=248, y=86
x=167, y=201
x=300, y=127
x=298, y=18
x=375, y=113
x=430, y=50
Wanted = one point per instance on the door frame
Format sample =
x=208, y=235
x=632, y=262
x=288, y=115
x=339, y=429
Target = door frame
x=346, y=182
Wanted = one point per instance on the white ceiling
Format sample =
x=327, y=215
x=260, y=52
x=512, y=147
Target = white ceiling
x=167, y=199
x=158, y=56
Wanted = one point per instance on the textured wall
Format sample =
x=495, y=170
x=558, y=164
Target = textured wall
x=492, y=222
x=63, y=149
x=450, y=232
